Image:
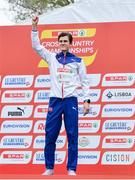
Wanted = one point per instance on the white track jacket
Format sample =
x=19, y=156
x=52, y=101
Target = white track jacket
x=67, y=73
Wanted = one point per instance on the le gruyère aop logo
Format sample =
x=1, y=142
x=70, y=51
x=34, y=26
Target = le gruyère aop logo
x=83, y=44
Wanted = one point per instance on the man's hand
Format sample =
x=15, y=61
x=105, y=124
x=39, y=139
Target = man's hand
x=35, y=20
x=86, y=107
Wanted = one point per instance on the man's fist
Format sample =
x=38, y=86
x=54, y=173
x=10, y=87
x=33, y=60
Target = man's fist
x=86, y=107
x=35, y=20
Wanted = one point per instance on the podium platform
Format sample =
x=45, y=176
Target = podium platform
x=66, y=177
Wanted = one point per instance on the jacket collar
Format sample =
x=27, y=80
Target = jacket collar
x=69, y=58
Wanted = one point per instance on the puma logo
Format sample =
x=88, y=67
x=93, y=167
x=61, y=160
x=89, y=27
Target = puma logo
x=74, y=108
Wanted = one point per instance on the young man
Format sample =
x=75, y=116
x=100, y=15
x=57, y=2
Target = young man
x=67, y=73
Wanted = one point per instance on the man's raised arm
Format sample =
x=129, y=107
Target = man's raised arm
x=37, y=46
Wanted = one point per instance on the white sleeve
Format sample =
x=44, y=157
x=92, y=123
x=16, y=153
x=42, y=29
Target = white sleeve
x=41, y=50
x=84, y=80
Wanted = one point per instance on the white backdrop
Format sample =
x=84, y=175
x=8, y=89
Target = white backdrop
x=88, y=11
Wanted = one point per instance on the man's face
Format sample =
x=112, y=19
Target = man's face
x=64, y=43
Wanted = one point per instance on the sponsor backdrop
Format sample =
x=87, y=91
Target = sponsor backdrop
x=106, y=134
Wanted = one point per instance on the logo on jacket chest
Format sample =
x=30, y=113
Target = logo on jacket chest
x=65, y=74
x=64, y=70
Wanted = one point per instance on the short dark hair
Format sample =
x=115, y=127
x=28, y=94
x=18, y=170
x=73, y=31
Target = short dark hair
x=62, y=34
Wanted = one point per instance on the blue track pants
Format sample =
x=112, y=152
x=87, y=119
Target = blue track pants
x=57, y=107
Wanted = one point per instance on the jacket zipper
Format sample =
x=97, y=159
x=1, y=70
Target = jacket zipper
x=63, y=82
